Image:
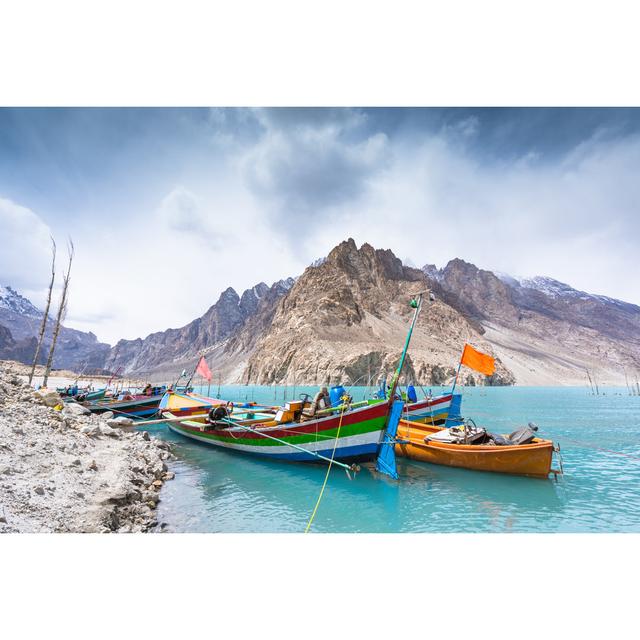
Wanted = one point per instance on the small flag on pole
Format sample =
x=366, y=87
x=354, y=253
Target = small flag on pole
x=477, y=360
x=203, y=369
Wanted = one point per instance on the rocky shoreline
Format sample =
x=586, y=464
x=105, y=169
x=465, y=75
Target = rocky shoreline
x=68, y=471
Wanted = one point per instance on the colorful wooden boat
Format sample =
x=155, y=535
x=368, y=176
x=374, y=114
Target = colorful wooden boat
x=139, y=406
x=351, y=436
x=184, y=403
x=187, y=404
x=532, y=459
x=81, y=395
x=435, y=411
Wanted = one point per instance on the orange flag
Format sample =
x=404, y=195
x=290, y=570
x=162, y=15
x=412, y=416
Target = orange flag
x=203, y=369
x=477, y=360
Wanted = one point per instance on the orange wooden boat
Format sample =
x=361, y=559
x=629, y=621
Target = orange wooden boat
x=532, y=459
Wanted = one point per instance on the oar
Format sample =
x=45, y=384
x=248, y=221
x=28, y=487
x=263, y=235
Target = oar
x=289, y=444
x=177, y=419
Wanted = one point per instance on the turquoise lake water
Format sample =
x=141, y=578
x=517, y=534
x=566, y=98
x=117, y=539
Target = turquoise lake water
x=218, y=491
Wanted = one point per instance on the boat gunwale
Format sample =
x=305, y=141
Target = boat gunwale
x=280, y=425
x=537, y=443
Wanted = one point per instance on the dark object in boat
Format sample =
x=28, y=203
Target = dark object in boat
x=522, y=435
x=217, y=413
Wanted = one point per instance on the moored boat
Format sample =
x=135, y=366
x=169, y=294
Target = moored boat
x=91, y=395
x=186, y=403
x=435, y=411
x=81, y=395
x=475, y=449
x=298, y=431
x=138, y=406
x=348, y=435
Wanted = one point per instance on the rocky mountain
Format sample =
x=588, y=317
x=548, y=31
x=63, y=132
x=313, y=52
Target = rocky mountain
x=545, y=331
x=20, y=350
x=346, y=319
x=19, y=326
x=167, y=352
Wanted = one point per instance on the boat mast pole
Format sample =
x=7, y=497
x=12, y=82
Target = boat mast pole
x=455, y=380
x=193, y=374
x=417, y=304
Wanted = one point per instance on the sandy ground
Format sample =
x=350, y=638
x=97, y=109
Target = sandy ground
x=71, y=472
x=552, y=361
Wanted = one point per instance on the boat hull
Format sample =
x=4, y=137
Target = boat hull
x=432, y=411
x=85, y=397
x=359, y=436
x=187, y=404
x=136, y=408
x=529, y=460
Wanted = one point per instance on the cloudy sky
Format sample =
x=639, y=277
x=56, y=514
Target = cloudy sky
x=168, y=207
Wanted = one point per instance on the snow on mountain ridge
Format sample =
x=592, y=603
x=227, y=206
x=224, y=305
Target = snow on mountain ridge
x=13, y=301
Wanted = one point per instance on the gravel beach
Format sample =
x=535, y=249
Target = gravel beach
x=69, y=471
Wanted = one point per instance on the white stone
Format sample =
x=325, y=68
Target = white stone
x=75, y=409
x=48, y=397
x=91, y=430
x=120, y=421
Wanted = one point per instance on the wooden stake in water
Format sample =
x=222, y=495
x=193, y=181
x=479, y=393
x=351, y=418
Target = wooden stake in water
x=590, y=383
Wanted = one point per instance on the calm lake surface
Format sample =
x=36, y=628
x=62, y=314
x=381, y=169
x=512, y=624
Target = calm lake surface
x=216, y=491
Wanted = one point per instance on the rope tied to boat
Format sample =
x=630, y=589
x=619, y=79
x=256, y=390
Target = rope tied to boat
x=588, y=445
x=326, y=477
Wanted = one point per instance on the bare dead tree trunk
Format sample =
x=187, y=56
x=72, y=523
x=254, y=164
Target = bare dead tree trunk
x=43, y=326
x=62, y=310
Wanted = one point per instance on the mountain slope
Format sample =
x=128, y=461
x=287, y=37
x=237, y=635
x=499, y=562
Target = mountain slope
x=75, y=349
x=544, y=330
x=167, y=352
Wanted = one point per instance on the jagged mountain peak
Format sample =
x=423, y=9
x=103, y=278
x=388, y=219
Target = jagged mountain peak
x=12, y=301
x=552, y=288
x=229, y=294
x=366, y=263
x=223, y=322
x=285, y=284
x=318, y=262
x=22, y=320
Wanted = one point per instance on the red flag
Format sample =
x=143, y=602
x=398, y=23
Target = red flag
x=203, y=369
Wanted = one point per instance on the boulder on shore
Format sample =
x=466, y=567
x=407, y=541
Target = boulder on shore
x=120, y=421
x=75, y=409
x=48, y=397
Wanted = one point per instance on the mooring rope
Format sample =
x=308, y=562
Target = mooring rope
x=326, y=477
x=591, y=446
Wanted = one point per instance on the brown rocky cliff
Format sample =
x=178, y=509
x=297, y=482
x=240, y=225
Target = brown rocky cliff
x=346, y=320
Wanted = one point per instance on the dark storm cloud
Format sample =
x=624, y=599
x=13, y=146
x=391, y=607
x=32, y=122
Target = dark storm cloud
x=309, y=160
